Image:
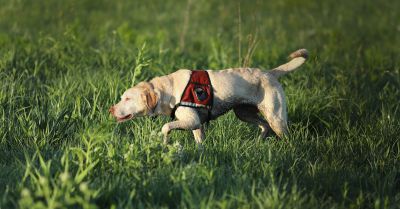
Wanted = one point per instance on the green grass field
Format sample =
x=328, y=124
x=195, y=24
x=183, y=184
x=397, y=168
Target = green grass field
x=63, y=63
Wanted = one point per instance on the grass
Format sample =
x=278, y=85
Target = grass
x=63, y=63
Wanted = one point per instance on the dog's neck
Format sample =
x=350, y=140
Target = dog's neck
x=163, y=88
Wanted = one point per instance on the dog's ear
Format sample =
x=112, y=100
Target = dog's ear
x=151, y=100
x=150, y=96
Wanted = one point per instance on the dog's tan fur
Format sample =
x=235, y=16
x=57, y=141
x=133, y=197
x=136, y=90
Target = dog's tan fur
x=247, y=91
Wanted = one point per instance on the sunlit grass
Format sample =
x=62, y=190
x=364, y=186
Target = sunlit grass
x=63, y=63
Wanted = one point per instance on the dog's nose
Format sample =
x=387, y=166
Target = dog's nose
x=111, y=110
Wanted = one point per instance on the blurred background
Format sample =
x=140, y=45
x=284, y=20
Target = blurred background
x=353, y=40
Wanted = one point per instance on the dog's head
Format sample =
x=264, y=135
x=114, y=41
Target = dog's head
x=137, y=101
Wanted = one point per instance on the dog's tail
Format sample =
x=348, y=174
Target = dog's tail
x=298, y=58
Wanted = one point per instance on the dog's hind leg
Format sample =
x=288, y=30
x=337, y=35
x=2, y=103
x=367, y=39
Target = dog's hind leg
x=249, y=114
x=187, y=119
x=273, y=108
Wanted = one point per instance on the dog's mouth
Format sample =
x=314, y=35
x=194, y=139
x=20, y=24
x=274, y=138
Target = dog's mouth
x=127, y=117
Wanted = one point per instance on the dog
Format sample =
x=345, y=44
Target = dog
x=248, y=91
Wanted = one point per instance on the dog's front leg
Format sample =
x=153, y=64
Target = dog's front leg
x=199, y=135
x=187, y=119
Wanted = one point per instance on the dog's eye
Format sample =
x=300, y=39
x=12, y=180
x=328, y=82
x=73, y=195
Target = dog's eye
x=127, y=99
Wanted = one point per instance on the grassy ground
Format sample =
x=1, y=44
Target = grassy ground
x=63, y=63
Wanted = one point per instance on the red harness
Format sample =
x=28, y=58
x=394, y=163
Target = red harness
x=198, y=92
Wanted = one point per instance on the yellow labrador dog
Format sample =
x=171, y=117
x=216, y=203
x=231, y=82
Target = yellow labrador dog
x=248, y=91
